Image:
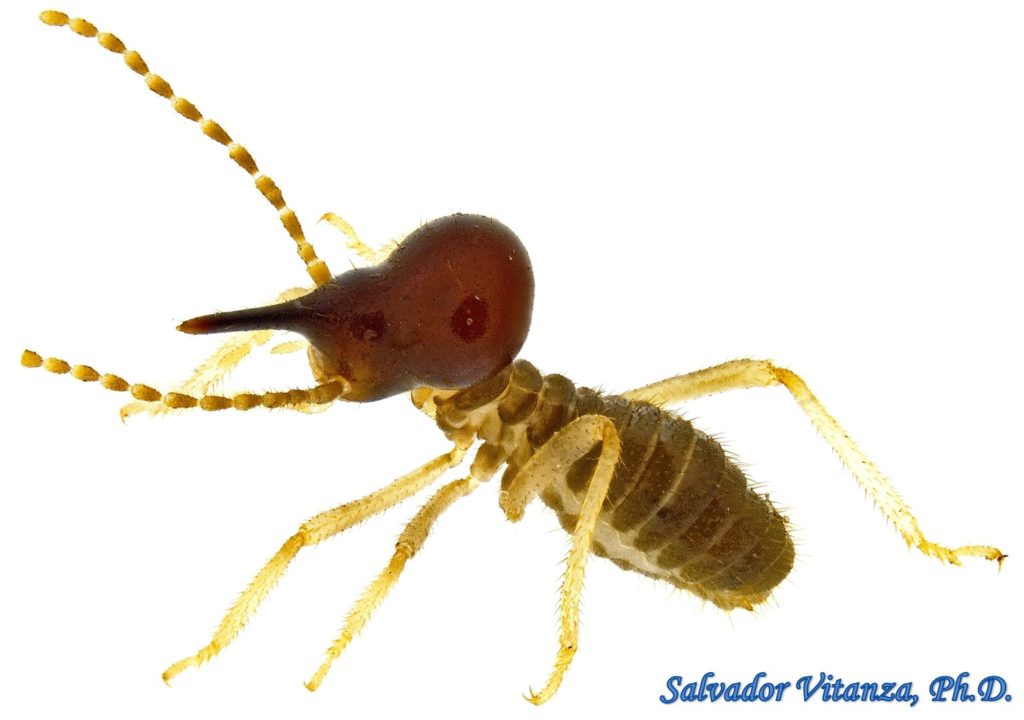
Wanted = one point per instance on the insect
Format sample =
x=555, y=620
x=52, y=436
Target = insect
x=435, y=400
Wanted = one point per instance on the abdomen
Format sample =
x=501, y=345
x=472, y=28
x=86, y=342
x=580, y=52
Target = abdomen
x=678, y=508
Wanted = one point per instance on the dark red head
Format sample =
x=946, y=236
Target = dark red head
x=448, y=308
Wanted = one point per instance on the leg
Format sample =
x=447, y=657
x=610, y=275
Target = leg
x=225, y=359
x=296, y=398
x=550, y=461
x=409, y=543
x=289, y=346
x=313, y=531
x=316, y=267
x=739, y=374
x=360, y=248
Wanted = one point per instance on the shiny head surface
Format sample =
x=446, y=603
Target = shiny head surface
x=449, y=307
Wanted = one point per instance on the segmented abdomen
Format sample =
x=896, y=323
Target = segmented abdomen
x=678, y=509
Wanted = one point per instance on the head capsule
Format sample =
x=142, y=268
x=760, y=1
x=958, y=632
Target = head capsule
x=449, y=307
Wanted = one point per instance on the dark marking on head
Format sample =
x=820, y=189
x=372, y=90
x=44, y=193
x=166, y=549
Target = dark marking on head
x=469, y=321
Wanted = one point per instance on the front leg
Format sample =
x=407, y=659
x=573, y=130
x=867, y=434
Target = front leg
x=548, y=465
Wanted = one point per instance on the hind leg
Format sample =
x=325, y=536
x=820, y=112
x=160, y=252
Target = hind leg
x=741, y=374
x=547, y=465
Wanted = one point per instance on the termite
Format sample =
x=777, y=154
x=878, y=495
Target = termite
x=607, y=464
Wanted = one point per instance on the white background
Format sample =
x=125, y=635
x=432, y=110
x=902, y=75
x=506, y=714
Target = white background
x=834, y=186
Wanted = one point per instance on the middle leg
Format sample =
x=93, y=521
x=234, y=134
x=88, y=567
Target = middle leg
x=313, y=531
x=409, y=543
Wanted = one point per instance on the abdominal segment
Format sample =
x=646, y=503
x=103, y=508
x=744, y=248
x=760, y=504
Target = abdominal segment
x=678, y=508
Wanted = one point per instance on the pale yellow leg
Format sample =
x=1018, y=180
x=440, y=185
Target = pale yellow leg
x=289, y=346
x=409, y=543
x=316, y=267
x=226, y=358
x=296, y=398
x=374, y=256
x=739, y=374
x=549, y=463
x=313, y=531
